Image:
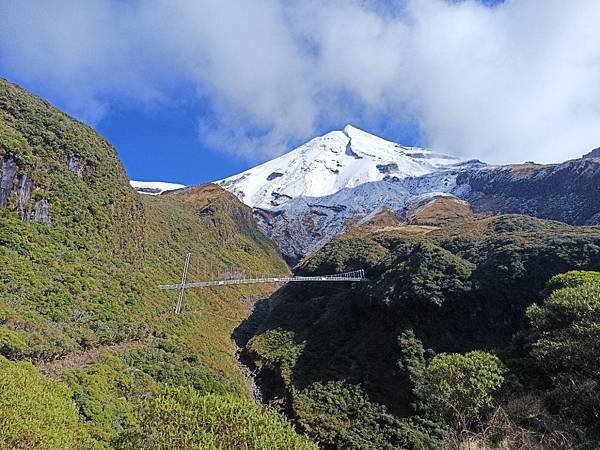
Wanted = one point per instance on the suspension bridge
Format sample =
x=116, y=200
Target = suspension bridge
x=239, y=277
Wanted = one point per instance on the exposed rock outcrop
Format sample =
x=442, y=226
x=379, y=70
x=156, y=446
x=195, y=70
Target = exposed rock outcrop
x=76, y=164
x=41, y=212
x=569, y=192
x=15, y=191
x=15, y=186
x=8, y=173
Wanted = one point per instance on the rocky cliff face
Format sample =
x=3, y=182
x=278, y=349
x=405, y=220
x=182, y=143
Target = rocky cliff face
x=15, y=192
x=569, y=192
x=15, y=185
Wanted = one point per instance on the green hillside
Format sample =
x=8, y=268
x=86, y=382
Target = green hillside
x=416, y=358
x=81, y=256
x=482, y=335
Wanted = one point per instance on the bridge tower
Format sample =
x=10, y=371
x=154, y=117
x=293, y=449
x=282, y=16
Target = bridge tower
x=186, y=266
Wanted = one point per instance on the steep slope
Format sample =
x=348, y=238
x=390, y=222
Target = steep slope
x=81, y=257
x=569, y=192
x=70, y=230
x=58, y=171
x=304, y=224
x=459, y=289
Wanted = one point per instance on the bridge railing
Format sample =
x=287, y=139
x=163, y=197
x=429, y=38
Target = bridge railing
x=353, y=276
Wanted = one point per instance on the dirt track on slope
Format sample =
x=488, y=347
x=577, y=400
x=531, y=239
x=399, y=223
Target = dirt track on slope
x=83, y=358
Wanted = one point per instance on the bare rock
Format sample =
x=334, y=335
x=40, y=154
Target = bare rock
x=41, y=212
x=593, y=154
x=569, y=192
x=13, y=182
x=75, y=164
x=23, y=192
x=8, y=171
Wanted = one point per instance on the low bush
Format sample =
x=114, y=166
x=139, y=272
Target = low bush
x=278, y=349
x=340, y=415
x=182, y=418
x=37, y=413
x=457, y=386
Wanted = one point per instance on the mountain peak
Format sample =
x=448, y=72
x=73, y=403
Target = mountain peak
x=356, y=133
x=329, y=163
x=350, y=129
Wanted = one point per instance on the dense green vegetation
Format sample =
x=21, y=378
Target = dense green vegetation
x=467, y=332
x=36, y=412
x=83, y=276
x=181, y=418
x=340, y=415
x=566, y=344
x=457, y=386
x=485, y=334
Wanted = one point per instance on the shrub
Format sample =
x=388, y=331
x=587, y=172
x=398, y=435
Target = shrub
x=36, y=413
x=182, y=418
x=568, y=327
x=11, y=342
x=340, y=414
x=177, y=366
x=566, y=343
x=457, y=386
x=278, y=349
x=103, y=394
x=573, y=278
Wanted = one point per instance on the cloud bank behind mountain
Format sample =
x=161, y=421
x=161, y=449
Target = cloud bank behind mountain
x=513, y=81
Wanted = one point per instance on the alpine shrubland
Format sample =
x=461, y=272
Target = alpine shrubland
x=481, y=334
x=478, y=335
x=81, y=258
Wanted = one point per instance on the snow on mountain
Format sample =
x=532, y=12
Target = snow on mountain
x=304, y=224
x=154, y=187
x=329, y=163
x=305, y=197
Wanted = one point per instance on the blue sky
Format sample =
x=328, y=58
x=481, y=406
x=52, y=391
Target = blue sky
x=164, y=144
x=197, y=90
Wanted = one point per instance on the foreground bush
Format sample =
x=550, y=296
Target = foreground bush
x=458, y=385
x=339, y=414
x=36, y=413
x=567, y=347
x=180, y=418
x=568, y=324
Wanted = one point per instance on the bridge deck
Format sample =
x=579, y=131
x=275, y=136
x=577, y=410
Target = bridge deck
x=327, y=278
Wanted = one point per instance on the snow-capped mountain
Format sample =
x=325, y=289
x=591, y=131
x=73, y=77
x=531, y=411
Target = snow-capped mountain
x=327, y=164
x=304, y=224
x=154, y=187
x=305, y=197
x=347, y=178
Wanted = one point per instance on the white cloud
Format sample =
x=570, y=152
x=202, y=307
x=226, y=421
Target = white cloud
x=517, y=81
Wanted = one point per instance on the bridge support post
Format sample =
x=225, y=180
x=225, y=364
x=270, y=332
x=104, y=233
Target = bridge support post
x=186, y=266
